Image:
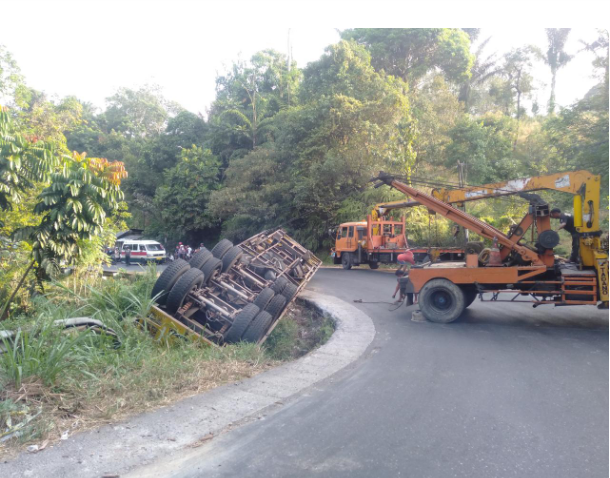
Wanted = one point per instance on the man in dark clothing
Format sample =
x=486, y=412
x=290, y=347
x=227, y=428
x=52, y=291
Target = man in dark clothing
x=566, y=222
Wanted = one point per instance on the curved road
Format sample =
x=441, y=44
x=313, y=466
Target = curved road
x=507, y=391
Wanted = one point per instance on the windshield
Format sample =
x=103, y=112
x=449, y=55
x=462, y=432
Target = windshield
x=154, y=247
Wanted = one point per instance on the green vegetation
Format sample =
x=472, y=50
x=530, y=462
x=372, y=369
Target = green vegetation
x=295, y=147
x=101, y=378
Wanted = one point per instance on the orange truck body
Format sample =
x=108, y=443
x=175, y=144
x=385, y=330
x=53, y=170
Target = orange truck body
x=381, y=241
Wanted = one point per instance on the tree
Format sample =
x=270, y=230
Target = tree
x=74, y=206
x=482, y=70
x=556, y=57
x=181, y=202
x=138, y=113
x=23, y=161
x=516, y=70
x=410, y=53
x=248, y=96
x=351, y=122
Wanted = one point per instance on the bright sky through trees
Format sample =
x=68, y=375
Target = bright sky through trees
x=90, y=49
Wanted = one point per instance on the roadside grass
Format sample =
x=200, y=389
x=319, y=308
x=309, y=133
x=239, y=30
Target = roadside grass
x=54, y=383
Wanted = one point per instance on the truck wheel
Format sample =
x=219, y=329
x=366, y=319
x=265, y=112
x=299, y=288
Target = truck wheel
x=168, y=278
x=211, y=269
x=200, y=258
x=374, y=265
x=231, y=257
x=257, y=327
x=346, y=261
x=191, y=279
x=276, y=306
x=242, y=320
x=290, y=290
x=279, y=284
x=220, y=249
x=441, y=301
x=263, y=298
x=469, y=297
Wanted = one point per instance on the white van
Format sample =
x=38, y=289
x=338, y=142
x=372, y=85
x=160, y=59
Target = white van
x=142, y=251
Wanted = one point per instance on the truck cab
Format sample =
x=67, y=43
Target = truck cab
x=369, y=242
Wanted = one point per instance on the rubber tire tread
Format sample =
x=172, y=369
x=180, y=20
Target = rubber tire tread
x=231, y=257
x=168, y=278
x=469, y=297
x=441, y=317
x=263, y=298
x=200, y=258
x=279, y=284
x=241, y=323
x=276, y=306
x=257, y=327
x=374, y=265
x=346, y=261
x=290, y=291
x=189, y=280
x=209, y=269
x=220, y=249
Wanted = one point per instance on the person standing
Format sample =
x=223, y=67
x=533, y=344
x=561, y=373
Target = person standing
x=566, y=222
x=128, y=255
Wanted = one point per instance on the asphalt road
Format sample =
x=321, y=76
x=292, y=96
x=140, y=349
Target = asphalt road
x=507, y=391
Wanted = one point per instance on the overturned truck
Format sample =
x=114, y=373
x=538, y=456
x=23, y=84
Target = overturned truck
x=232, y=293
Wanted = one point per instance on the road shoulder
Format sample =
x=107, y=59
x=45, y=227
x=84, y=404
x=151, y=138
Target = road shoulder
x=141, y=440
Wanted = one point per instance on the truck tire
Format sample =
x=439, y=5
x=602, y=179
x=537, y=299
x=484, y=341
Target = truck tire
x=290, y=290
x=346, y=261
x=200, y=258
x=469, y=297
x=191, y=279
x=211, y=269
x=374, y=265
x=263, y=298
x=441, y=301
x=257, y=328
x=220, y=249
x=168, y=278
x=279, y=284
x=242, y=320
x=231, y=257
x=276, y=306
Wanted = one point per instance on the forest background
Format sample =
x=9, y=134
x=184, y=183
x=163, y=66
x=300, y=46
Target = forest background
x=295, y=147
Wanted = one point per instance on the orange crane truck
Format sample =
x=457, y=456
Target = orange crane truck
x=522, y=271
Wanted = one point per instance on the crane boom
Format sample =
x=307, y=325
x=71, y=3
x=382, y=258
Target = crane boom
x=581, y=184
x=463, y=219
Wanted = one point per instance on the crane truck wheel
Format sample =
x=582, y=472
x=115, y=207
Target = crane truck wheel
x=374, y=265
x=469, y=296
x=220, y=249
x=441, y=301
x=192, y=279
x=168, y=278
x=242, y=320
x=346, y=261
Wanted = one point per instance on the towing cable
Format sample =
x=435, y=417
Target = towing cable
x=397, y=303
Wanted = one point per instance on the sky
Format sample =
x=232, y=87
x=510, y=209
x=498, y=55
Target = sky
x=90, y=48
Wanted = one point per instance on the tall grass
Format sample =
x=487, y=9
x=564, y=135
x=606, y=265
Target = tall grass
x=42, y=351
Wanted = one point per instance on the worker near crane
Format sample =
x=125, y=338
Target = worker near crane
x=406, y=260
x=566, y=222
